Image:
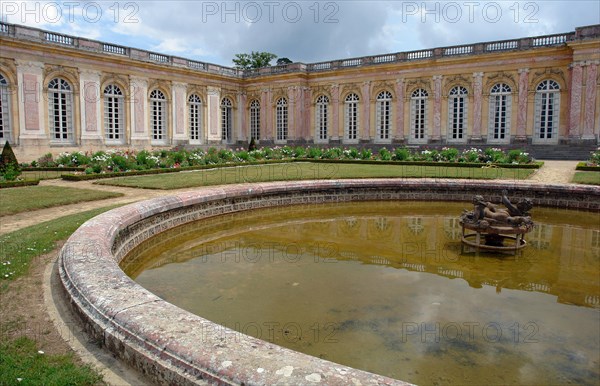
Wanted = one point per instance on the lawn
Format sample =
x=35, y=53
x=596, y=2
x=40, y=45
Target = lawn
x=308, y=171
x=21, y=361
x=17, y=200
x=589, y=178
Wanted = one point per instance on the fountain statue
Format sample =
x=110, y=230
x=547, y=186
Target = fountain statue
x=494, y=226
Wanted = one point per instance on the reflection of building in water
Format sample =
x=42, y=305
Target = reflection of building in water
x=539, y=237
x=563, y=260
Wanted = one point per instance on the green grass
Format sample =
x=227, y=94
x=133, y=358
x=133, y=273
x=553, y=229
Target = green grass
x=308, y=171
x=22, y=364
x=18, y=248
x=589, y=178
x=17, y=200
x=19, y=358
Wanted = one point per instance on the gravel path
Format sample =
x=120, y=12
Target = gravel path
x=552, y=172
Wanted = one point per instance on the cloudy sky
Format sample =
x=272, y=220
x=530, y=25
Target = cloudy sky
x=303, y=31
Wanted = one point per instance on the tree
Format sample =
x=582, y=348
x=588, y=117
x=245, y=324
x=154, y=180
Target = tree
x=282, y=61
x=253, y=60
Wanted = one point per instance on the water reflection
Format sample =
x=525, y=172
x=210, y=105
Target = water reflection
x=389, y=288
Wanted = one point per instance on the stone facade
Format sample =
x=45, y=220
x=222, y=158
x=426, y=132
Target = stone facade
x=64, y=93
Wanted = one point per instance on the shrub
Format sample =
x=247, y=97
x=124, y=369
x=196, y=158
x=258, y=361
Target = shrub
x=385, y=154
x=366, y=154
x=8, y=160
x=252, y=145
x=314, y=152
x=402, y=154
x=595, y=157
x=449, y=154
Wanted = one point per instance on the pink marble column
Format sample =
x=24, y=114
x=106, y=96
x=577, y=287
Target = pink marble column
x=400, y=109
x=522, y=105
x=437, y=108
x=31, y=102
x=264, y=113
x=366, y=111
x=308, y=95
x=292, y=126
x=575, y=109
x=591, y=89
x=335, y=112
x=477, y=104
x=270, y=110
x=243, y=114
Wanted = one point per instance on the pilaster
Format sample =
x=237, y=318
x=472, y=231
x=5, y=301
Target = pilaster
x=30, y=75
x=335, y=114
x=179, y=91
x=477, y=105
x=366, y=90
x=591, y=90
x=575, y=93
x=138, y=89
x=522, y=105
x=213, y=96
x=399, y=110
x=89, y=100
x=437, y=108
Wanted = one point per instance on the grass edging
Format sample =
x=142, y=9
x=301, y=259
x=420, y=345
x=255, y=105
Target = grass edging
x=583, y=166
x=16, y=184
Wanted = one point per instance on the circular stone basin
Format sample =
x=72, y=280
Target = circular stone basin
x=173, y=346
x=387, y=287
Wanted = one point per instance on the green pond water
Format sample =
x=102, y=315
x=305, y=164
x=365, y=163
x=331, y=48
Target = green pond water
x=389, y=288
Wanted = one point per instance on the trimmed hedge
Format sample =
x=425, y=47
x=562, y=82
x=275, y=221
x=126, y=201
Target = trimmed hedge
x=87, y=177
x=583, y=166
x=16, y=184
x=53, y=169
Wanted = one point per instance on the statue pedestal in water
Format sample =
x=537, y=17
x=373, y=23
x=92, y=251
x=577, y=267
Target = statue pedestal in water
x=491, y=227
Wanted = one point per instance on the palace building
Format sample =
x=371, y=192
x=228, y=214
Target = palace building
x=64, y=93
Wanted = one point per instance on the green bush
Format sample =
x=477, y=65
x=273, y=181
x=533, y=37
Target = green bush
x=401, y=154
x=385, y=154
x=9, y=166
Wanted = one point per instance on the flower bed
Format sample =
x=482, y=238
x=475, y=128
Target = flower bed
x=116, y=161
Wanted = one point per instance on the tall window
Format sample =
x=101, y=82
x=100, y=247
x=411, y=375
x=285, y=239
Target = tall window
x=255, y=120
x=418, y=115
x=383, y=115
x=158, y=116
x=281, y=119
x=226, y=119
x=322, y=117
x=5, y=127
x=351, y=117
x=195, y=117
x=547, y=106
x=60, y=110
x=457, y=114
x=114, y=114
x=499, y=115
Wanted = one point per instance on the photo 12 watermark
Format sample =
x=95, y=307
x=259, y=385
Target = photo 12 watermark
x=469, y=11
x=25, y=12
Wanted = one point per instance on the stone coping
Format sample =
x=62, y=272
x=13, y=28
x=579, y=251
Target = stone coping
x=173, y=346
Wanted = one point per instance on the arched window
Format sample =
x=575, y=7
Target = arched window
x=60, y=110
x=5, y=121
x=383, y=115
x=158, y=116
x=457, y=114
x=547, y=106
x=114, y=114
x=322, y=117
x=226, y=119
x=499, y=114
x=255, y=120
x=418, y=115
x=351, y=117
x=281, y=119
x=195, y=117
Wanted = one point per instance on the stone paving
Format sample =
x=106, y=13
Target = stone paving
x=560, y=172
